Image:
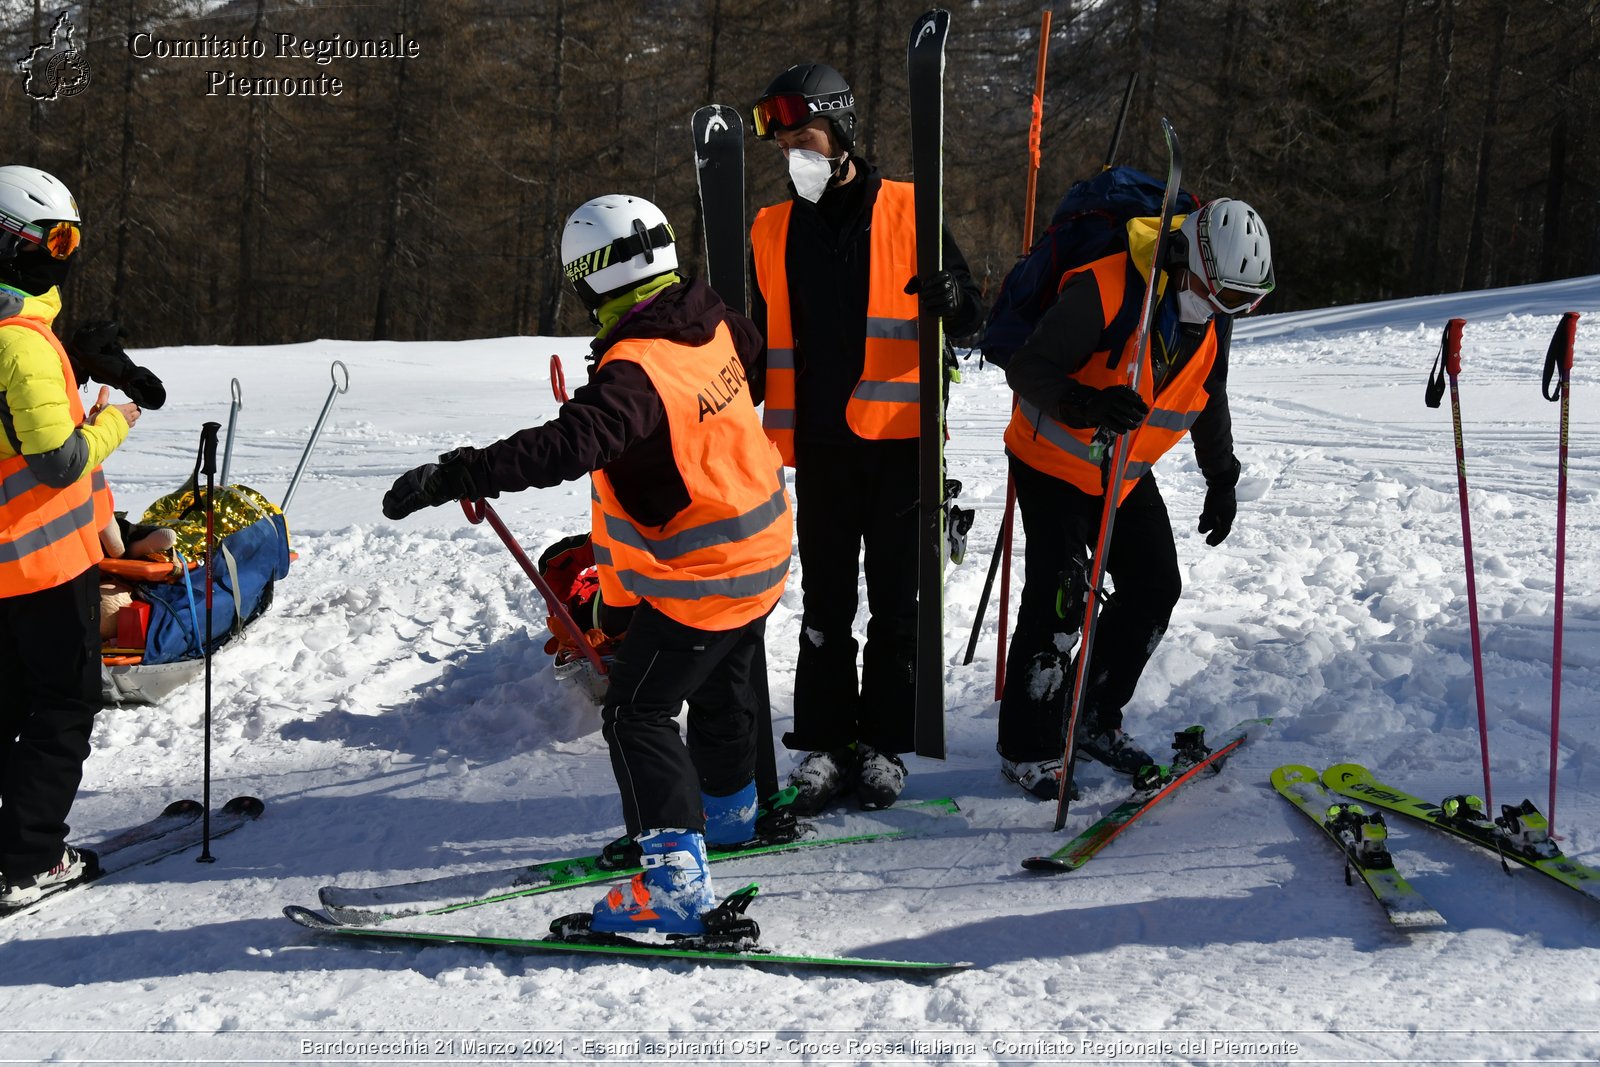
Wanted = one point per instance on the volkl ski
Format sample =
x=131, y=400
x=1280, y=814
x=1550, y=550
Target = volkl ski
x=1520, y=833
x=1363, y=838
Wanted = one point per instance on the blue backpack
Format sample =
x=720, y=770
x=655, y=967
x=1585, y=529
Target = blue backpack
x=1090, y=223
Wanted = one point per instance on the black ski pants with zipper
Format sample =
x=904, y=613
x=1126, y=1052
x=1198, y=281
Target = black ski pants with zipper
x=1060, y=523
x=722, y=676
x=851, y=499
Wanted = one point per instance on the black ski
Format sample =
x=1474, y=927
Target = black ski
x=178, y=827
x=719, y=169
x=925, y=72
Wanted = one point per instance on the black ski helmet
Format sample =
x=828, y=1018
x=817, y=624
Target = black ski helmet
x=826, y=95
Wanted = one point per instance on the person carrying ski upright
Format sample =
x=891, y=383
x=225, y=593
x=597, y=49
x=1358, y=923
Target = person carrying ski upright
x=836, y=295
x=690, y=522
x=53, y=505
x=1069, y=377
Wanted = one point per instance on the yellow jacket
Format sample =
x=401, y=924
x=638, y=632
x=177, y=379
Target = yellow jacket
x=53, y=496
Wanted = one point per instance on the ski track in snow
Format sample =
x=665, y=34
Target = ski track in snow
x=396, y=711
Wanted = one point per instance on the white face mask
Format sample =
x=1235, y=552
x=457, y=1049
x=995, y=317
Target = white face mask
x=810, y=171
x=1192, y=307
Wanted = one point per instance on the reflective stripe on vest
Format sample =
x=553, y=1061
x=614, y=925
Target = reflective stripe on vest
x=47, y=535
x=723, y=560
x=884, y=403
x=1071, y=454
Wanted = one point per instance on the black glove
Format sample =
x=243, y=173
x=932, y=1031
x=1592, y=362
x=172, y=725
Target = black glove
x=96, y=353
x=1116, y=407
x=939, y=292
x=430, y=485
x=1221, y=504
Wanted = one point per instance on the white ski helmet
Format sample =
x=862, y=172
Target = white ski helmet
x=30, y=202
x=615, y=242
x=1231, y=254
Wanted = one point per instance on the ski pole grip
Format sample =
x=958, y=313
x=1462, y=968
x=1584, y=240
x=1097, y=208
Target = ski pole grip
x=1558, y=361
x=208, y=447
x=1452, y=346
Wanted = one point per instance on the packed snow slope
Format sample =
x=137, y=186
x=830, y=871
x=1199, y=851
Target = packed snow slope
x=396, y=711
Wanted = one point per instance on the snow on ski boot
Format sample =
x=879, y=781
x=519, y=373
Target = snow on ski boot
x=670, y=895
x=731, y=820
x=1040, y=778
x=76, y=865
x=1365, y=837
x=820, y=778
x=880, y=776
x=1527, y=830
x=1113, y=748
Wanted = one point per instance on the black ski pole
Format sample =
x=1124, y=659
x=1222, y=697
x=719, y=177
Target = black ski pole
x=208, y=467
x=1122, y=117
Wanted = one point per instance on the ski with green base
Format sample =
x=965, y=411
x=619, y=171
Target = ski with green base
x=569, y=935
x=1520, y=834
x=451, y=893
x=1191, y=760
x=1364, y=840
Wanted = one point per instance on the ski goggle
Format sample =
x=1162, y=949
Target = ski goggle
x=59, y=239
x=785, y=111
x=780, y=112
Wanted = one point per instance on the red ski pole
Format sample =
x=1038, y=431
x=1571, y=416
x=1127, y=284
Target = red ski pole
x=479, y=511
x=1558, y=372
x=1448, y=366
x=1035, y=135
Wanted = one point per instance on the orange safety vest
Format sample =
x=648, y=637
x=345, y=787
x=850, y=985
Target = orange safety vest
x=1061, y=451
x=49, y=536
x=722, y=561
x=884, y=404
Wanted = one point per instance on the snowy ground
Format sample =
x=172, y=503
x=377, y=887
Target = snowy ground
x=398, y=715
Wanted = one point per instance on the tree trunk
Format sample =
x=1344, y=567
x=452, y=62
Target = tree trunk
x=1473, y=274
x=555, y=289
x=394, y=210
x=1425, y=260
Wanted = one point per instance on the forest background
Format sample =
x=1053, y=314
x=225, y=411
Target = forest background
x=1395, y=147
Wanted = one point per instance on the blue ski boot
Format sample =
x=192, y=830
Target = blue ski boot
x=671, y=895
x=731, y=820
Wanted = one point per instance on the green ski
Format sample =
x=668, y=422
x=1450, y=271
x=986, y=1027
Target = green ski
x=1364, y=840
x=743, y=950
x=441, y=896
x=1520, y=834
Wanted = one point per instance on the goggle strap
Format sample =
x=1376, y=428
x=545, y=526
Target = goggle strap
x=642, y=241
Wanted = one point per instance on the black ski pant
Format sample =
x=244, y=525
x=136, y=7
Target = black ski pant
x=49, y=694
x=1061, y=523
x=850, y=498
x=722, y=674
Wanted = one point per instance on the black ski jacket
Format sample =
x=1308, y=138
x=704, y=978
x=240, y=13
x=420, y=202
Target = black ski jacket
x=827, y=265
x=617, y=420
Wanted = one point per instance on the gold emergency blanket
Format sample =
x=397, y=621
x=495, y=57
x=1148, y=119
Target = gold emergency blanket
x=238, y=506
